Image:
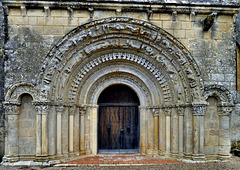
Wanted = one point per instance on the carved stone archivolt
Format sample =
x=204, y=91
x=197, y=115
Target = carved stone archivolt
x=220, y=92
x=85, y=42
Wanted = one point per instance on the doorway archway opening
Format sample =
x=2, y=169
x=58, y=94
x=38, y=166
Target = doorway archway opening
x=118, y=120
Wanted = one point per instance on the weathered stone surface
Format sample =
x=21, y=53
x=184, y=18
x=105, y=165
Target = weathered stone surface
x=70, y=69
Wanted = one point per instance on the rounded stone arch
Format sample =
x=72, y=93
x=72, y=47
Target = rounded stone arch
x=15, y=92
x=219, y=92
x=157, y=49
x=99, y=86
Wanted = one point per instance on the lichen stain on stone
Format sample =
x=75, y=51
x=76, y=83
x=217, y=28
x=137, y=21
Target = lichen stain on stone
x=26, y=50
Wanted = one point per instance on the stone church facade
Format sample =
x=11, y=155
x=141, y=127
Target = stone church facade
x=179, y=59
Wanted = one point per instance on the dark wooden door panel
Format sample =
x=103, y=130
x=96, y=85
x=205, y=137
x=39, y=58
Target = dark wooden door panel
x=118, y=120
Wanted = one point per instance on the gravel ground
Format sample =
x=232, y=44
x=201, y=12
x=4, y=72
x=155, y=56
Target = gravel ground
x=234, y=165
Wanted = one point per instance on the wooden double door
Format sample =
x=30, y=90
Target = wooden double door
x=118, y=120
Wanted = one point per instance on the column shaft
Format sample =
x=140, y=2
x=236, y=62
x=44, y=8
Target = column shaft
x=59, y=133
x=156, y=129
x=180, y=129
x=82, y=134
x=168, y=135
x=162, y=132
x=44, y=135
x=198, y=132
x=38, y=134
x=71, y=133
x=12, y=136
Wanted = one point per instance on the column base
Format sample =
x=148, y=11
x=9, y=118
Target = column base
x=42, y=158
x=174, y=155
x=161, y=153
x=225, y=158
x=76, y=153
x=11, y=159
x=180, y=155
x=187, y=156
x=58, y=156
x=167, y=154
x=71, y=154
x=82, y=152
x=198, y=157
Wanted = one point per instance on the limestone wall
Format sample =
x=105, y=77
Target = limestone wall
x=33, y=34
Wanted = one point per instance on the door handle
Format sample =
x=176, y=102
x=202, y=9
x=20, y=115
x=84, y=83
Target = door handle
x=128, y=128
x=109, y=128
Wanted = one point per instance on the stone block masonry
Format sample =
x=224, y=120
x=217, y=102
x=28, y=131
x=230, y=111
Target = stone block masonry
x=59, y=57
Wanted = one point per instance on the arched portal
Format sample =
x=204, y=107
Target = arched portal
x=132, y=57
x=118, y=120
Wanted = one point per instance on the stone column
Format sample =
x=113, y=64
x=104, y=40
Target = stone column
x=174, y=132
x=93, y=111
x=188, y=132
x=45, y=109
x=162, y=132
x=82, y=112
x=156, y=129
x=198, y=132
x=224, y=133
x=71, y=122
x=168, y=130
x=180, y=130
x=143, y=133
x=59, y=110
x=12, y=112
x=38, y=130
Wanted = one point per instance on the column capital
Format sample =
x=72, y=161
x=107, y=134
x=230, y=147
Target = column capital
x=45, y=109
x=199, y=109
x=155, y=111
x=72, y=109
x=82, y=110
x=180, y=110
x=41, y=108
x=59, y=109
x=11, y=108
x=167, y=111
x=225, y=110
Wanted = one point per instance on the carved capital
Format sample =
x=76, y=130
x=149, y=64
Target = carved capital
x=167, y=111
x=59, y=109
x=72, y=110
x=11, y=108
x=45, y=109
x=155, y=112
x=225, y=110
x=181, y=111
x=82, y=111
x=199, y=110
x=38, y=109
